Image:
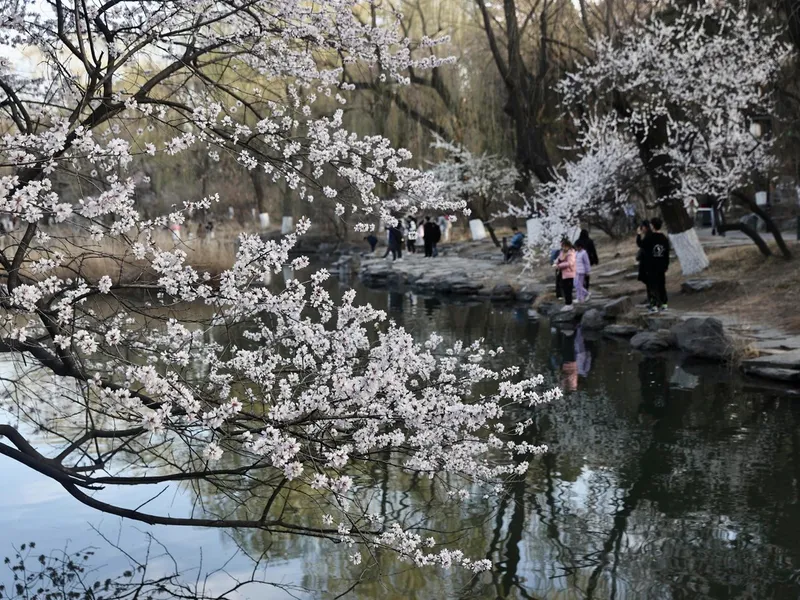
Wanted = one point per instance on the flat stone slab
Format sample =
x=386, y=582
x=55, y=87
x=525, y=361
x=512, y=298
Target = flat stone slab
x=784, y=360
x=693, y=286
x=621, y=330
x=773, y=373
x=613, y=273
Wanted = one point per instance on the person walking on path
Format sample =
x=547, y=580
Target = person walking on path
x=432, y=234
x=583, y=268
x=656, y=254
x=565, y=263
x=641, y=236
x=372, y=241
x=588, y=244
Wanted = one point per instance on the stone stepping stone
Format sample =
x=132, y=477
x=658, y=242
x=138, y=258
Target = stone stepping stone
x=613, y=273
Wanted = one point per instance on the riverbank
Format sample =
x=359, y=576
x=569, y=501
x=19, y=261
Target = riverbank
x=742, y=310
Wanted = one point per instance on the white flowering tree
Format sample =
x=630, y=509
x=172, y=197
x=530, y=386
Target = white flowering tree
x=602, y=178
x=288, y=388
x=481, y=181
x=684, y=85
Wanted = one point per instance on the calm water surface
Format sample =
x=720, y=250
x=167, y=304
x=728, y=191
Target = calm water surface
x=664, y=480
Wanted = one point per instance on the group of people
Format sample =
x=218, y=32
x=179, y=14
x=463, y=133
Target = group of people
x=653, y=258
x=573, y=264
x=427, y=232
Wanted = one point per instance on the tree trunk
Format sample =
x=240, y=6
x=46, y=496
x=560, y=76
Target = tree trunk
x=650, y=139
x=768, y=222
x=492, y=233
x=749, y=232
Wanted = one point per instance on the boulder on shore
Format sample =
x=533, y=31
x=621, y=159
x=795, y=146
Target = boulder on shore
x=503, y=292
x=783, y=366
x=593, y=319
x=703, y=338
x=652, y=341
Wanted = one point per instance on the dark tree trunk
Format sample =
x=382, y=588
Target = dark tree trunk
x=749, y=232
x=649, y=141
x=770, y=224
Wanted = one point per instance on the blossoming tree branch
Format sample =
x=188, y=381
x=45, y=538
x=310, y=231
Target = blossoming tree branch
x=309, y=395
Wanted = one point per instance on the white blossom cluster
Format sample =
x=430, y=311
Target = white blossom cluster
x=707, y=71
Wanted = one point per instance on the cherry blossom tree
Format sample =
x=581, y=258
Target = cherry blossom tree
x=482, y=181
x=100, y=310
x=684, y=85
x=601, y=178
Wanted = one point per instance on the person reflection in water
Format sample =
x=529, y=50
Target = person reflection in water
x=569, y=364
x=582, y=354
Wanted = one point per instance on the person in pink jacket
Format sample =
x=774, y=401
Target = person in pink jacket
x=582, y=269
x=566, y=264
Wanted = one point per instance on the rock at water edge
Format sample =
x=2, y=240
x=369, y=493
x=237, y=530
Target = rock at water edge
x=593, y=319
x=652, y=341
x=503, y=292
x=703, y=338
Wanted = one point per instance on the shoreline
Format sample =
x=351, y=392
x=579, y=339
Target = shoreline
x=694, y=325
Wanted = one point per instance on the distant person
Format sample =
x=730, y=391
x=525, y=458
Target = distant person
x=583, y=269
x=395, y=242
x=515, y=245
x=442, y=222
x=554, y=252
x=656, y=249
x=411, y=234
x=642, y=234
x=372, y=241
x=588, y=245
x=432, y=235
x=565, y=263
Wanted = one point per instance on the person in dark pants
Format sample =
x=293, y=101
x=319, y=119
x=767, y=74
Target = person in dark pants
x=565, y=263
x=372, y=241
x=656, y=254
x=432, y=236
x=642, y=234
x=587, y=243
x=396, y=242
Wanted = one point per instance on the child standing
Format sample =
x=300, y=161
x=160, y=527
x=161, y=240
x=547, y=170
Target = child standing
x=565, y=263
x=582, y=269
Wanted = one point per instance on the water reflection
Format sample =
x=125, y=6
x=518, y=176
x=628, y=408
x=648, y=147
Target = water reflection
x=664, y=480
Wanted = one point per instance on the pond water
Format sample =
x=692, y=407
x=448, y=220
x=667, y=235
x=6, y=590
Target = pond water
x=663, y=480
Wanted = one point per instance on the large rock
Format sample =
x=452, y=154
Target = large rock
x=692, y=286
x=618, y=306
x=593, y=319
x=621, y=330
x=503, y=292
x=652, y=341
x=703, y=338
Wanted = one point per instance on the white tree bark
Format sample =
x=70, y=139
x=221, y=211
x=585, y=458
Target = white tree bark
x=689, y=251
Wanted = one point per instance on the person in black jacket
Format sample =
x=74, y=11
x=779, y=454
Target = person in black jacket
x=432, y=235
x=585, y=242
x=656, y=257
